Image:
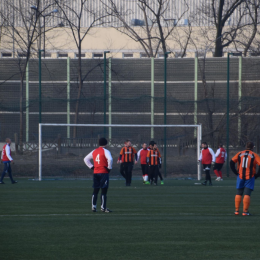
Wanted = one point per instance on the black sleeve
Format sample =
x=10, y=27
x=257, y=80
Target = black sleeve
x=258, y=173
x=233, y=167
x=120, y=157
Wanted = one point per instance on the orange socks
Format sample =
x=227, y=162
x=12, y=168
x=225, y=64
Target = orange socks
x=246, y=203
x=238, y=200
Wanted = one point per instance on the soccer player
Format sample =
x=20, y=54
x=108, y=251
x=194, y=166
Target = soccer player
x=221, y=157
x=122, y=168
x=142, y=155
x=207, y=156
x=153, y=161
x=246, y=175
x=102, y=165
x=130, y=155
x=159, y=173
x=7, y=159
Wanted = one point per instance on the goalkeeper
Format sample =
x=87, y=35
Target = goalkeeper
x=102, y=165
x=246, y=175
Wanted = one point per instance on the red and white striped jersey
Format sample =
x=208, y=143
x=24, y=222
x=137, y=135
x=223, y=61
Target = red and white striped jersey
x=221, y=155
x=6, y=153
x=207, y=156
x=102, y=160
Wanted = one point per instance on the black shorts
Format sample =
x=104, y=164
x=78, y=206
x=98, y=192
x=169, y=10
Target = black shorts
x=100, y=180
x=144, y=169
x=218, y=166
x=206, y=167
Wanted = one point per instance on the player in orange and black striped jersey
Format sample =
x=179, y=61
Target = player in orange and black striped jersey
x=246, y=175
x=153, y=161
x=122, y=166
x=130, y=157
x=159, y=173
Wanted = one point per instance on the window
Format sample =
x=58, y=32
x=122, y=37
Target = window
x=63, y=55
x=254, y=54
x=160, y=55
x=179, y=55
x=200, y=54
x=128, y=55
x=22, y=55
x=97, y=55
x=83, y=55
x=6, y=55
x=47, y=55
x=143, y=55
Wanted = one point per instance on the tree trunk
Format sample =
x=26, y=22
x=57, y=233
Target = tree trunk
x=219, y=28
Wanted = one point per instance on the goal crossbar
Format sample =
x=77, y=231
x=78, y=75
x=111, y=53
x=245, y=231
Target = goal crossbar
x=198, y=127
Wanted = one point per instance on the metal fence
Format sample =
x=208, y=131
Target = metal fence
x=196, y=94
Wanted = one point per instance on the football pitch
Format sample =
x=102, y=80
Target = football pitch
x=180, y=220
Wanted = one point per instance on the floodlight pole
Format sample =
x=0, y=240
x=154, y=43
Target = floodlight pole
x=165, y=111
x=105, y=90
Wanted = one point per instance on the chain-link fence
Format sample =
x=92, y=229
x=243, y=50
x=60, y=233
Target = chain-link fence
x=196, y=94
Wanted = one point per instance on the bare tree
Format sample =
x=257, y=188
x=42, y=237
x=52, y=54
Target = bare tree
x=159, y=22
x=19, y=29
x=248, y=36
x=219, y=14
x=73, y=15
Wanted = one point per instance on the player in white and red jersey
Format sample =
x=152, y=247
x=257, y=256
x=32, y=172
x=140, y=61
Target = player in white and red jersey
x=7, y=159
x=221, y=157
x=142, y=155
x=207, y=156
x=102, y=165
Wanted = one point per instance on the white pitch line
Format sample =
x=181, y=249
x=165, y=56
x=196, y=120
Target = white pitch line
x=96, y=214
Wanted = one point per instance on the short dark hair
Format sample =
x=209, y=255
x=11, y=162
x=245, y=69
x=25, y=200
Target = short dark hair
x=250, y=145
x=204, y=143
x=220, y=145
x=127, y=140
x=152, y=143
x=102, y=141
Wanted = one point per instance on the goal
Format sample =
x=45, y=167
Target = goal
x=61, y=155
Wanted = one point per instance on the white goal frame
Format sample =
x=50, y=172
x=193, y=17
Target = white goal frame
x=198, y=127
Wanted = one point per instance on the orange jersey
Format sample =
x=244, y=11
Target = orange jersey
x=247, y=161
x=153, y=157
x=128, y=153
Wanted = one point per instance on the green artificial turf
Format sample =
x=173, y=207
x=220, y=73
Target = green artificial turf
x=53, y=220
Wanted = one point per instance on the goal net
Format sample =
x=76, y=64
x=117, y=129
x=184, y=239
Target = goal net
x=62, y=148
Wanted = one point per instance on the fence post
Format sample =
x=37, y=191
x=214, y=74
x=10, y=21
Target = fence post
x=68, y=96
x=109, y=97
x=16, y=143
x=152, y=97
x=239, y=98
x=195, y=92
x=27, y=103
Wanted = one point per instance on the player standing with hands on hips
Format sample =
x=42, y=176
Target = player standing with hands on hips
x=7, y=159
x=207, y=157
x=221, y=157
x=246, y=175
x=102, y=165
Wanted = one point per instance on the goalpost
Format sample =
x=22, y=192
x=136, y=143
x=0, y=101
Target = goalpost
x=198, y=134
